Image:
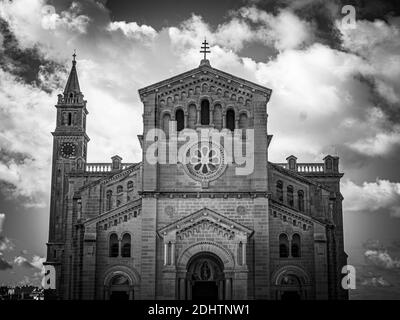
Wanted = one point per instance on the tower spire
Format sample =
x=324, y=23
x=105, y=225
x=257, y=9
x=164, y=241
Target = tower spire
x=73, y=83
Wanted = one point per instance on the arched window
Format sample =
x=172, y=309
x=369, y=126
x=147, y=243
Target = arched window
x=205, y=112
x=217, y=117
x=69, y=118
x=230, y=119
x=120, y=189
x=279, y=190
x=113, y=246
x=300, y=200
x=180, y=120
x=283, y=246
x=118, y=203
x=165, y=123
x=296, y=246
x=109, y=200
x=126, y=246
x=243, y=121
x=289, y=195
x=129, y=185
x=192, y=116
x=243, y=124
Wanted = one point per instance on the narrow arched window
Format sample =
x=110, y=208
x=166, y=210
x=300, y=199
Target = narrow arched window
x=126, y=246
x=217, y=117
x=120, y=189
x=230, y=119
x=129, y=185
x=180, y=120
x=243, y=121
x=113, y=246
x=69, y=118
x=283, y=246
x=296, y=245
x=165, y=123
x=289, y=195
x=109, y=200
x=300, y=200
x=205, y=112
x=192, y=116
x=279, y=190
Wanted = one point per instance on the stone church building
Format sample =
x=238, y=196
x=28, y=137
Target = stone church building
x=153, y=230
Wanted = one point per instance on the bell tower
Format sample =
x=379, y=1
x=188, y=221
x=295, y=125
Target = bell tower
x=69, y=155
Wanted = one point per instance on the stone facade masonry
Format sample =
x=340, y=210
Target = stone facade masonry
x=155, y=231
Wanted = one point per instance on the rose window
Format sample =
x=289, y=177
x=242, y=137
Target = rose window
x=205, y=161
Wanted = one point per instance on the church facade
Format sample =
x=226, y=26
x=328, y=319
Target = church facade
x=214, y=226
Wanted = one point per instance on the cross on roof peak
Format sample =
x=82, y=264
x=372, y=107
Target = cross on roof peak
x=205, y=48
x=74, y=57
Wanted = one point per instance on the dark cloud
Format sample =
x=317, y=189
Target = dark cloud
x=4, y=265
x=27, y=63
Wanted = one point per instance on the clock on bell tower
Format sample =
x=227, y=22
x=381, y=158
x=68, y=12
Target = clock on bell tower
x=69, y=154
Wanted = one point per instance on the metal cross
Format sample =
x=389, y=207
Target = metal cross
x=74, y=55
x=205, y=49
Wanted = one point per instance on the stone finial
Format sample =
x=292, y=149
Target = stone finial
x=292, y=162
x=116, y=163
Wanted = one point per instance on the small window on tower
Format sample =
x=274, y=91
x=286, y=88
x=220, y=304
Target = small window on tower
x=180, y=120
x=205, y=112
x=230, y=119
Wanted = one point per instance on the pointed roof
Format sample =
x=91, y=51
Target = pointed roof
x=73, y=83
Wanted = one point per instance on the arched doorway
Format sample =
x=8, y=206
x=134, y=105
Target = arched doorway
x=290, y=288
x=291, y=283
x=120, y=283
x=120, y=288
x=205, y=277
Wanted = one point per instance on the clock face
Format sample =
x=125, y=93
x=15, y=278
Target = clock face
x=68, y=150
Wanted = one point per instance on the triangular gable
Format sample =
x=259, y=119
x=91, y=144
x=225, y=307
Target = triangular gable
x=205, y=215
x=205, y=68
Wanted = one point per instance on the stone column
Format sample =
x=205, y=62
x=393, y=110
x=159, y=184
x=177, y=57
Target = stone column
x=189, y=290
x=165, y=254
x=182, y=289
x=221, y=290
x=173, y=253
x=223, y=120
x=211, y=115
x=186, y=120
x=198, y=121
x=228, y=289
x=244, y=253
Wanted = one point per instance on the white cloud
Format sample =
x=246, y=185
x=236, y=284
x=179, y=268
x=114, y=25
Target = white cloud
x=26, y=119
x=380, y=144
x=381, y=259
x=133, y=30
x=35, y=263
x=372, y=196
x=378, y=42
x=285, y=30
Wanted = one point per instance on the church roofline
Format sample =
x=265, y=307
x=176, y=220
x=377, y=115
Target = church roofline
x=205, y=68
x=298, y=176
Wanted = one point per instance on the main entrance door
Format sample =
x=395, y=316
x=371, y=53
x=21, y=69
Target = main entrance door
x=205, y=277
x=205, y=290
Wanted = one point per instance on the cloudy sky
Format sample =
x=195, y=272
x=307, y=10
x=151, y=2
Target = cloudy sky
x=336, y=90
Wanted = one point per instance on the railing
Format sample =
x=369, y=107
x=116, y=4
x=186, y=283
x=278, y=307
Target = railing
x=103, y=167
x=305, y=167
